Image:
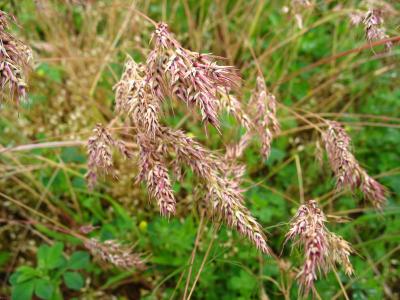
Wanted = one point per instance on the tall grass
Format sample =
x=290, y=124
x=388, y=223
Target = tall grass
x=315, y=67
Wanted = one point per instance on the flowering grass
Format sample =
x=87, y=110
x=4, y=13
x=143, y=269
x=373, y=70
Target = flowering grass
x=191, y=131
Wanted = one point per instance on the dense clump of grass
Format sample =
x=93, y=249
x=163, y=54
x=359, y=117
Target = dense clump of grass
x=228, y=137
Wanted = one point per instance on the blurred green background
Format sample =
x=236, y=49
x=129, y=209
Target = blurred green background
x=79, y=50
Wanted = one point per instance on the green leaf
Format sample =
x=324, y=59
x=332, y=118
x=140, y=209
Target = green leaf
x=14, y=278
x=44, y=289
x=73, y=280
x=79, y=260
x=42, y=255
x=26, y=273
x=23, y=291
x=51, y=257
x=243, y=283
x=57, y=294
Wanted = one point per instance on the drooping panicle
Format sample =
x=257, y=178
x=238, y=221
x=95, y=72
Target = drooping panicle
x=346, y=168
x=129, y=83
x=100, y=159
x=15, y=58
x=227, y=202
x=374, y=31
x=194, y=78
x=308, y=226
x=113, y=252
x=373, y=25
x=189, y=76
x=342, y=161
x=133, y=92
x=153, y=170
x=224, y=196
x=268, y=124
x=322, y=249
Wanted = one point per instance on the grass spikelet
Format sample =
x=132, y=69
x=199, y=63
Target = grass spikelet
x=322, y=249
x=113, y=252
x=346, y=168
x=15, y=57
x=100, y=154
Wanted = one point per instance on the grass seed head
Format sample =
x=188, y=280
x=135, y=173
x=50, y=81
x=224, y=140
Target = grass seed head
x=100, y=159
x=322, y=249
x=199, y=76
x=113, y=252
x=15, y=58
x=348, y=171
x=194, y=78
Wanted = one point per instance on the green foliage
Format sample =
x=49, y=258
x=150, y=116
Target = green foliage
x=52, y=270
